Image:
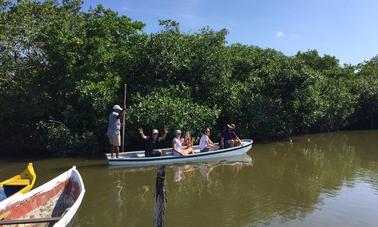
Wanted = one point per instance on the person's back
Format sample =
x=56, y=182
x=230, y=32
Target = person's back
x=114, y=126
x=203, y=142
x=114, y=129
x=177, y=144
x=178, y=148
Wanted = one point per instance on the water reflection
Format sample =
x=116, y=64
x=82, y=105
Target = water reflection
x=186, y=171
x=323, y=179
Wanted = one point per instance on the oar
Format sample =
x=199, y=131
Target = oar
x=29, y=221
x=4, y=215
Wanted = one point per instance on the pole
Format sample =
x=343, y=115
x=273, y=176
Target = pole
x=123, y=120
x=160, y=198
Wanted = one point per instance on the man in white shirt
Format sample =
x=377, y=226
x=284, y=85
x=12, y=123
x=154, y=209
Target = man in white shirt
x=114, y=129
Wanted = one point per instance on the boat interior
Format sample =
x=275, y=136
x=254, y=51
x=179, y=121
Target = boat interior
x=52, y=202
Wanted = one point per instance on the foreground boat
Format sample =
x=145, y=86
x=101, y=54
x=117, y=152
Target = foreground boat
x=54, y=204
x=18, y=184
x=137, y=158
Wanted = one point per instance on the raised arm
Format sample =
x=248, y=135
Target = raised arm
x=165, y=133
x=141, y=133
x=120, y=115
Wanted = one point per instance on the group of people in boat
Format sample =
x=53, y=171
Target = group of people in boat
x=181, y=145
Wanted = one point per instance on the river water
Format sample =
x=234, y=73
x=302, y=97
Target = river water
x=313, y=180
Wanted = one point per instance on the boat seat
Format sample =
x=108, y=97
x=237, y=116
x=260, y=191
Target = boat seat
x=18, y=182
x=140, y=155
x=168, y=153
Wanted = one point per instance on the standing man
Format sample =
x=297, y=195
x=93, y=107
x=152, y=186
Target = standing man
x=151, y=143
x=114, y=129
x=229, y=137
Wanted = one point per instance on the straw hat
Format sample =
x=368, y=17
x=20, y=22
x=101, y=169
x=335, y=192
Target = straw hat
x=231, y=126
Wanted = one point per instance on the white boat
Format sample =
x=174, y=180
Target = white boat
x=54, y=203
x=137, y=158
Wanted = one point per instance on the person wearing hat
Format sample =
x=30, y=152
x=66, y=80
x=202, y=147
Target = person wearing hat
x=177, y=148
x=151, y=143
x=114, y=129
x=229, y=137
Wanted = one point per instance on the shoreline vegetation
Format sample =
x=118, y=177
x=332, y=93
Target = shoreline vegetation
x=62, y=69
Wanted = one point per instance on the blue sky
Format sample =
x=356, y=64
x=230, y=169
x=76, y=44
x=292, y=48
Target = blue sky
x=347, y=29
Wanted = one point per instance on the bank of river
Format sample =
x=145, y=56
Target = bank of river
x=318, y=180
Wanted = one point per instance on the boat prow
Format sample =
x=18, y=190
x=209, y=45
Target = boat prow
x=18, y=184
x=56, y=201
x=137, y=158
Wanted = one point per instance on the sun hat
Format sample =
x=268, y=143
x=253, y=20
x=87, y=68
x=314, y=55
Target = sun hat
x=117, y=107
x=177, y=132
x=231, y=126
x=155, y=131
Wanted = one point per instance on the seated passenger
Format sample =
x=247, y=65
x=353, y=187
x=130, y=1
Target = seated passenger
x=178, y=148
x=187, y=141
x=229, y=137
x=153, y=142
x=205, y=142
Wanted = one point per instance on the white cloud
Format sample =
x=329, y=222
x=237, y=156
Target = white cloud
x=279, y=34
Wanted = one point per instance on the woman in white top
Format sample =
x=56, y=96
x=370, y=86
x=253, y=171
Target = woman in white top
x=205, y=142
x=178, y=149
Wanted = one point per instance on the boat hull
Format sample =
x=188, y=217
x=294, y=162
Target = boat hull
x=60, y=197
x=127, y=161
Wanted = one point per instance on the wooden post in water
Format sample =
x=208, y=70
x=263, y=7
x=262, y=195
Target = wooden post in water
x=160, y=197
x=123, y=120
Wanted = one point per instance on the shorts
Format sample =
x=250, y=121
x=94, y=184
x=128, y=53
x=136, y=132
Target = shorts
x=115, y=139
x=206, y=149
x=176, y=153
x=226, y=144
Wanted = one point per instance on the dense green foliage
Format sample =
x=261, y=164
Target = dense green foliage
x=171, y=108
x=62, y=69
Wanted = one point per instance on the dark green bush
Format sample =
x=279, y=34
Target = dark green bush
x=59, y=62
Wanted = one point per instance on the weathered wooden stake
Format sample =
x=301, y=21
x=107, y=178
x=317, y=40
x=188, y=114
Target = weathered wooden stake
x=160, y=198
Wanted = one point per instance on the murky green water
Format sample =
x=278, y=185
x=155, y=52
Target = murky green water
x=315, y=180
